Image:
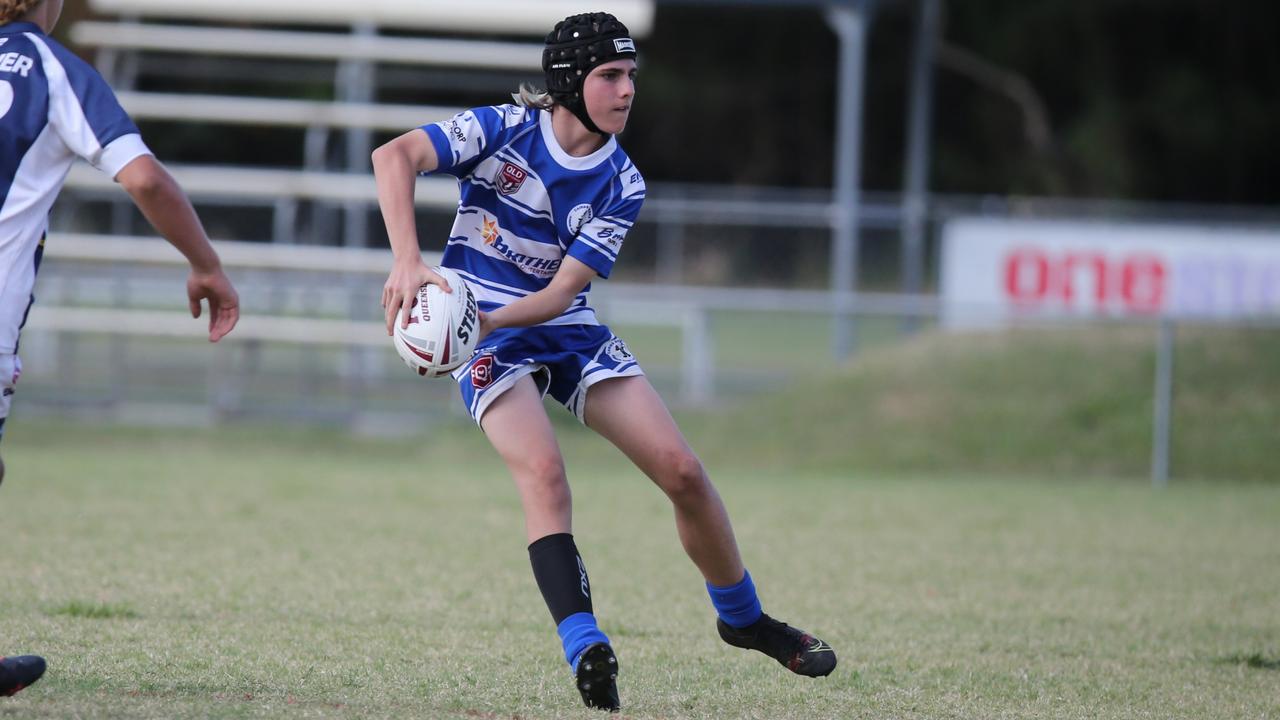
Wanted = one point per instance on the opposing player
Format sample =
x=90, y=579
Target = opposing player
x=54, y=108
x=547, y=200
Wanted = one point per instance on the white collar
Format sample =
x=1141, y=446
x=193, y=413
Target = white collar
x=566, y=160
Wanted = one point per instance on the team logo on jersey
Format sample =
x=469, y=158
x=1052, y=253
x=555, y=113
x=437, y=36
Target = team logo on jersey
x=489, y=231
x=618, y=352
x=511, y=178
x=580, y=215
x=482, y=372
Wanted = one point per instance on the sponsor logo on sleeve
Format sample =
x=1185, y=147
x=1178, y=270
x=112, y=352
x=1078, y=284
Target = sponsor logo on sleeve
x=612, y=237
x=455, y=130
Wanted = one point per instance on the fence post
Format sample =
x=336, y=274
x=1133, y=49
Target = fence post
x=697, y=382
x=1162, y=420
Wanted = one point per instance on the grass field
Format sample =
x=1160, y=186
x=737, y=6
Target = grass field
x=256, y=573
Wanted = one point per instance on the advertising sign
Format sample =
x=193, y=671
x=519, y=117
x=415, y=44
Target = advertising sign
x=998, y=270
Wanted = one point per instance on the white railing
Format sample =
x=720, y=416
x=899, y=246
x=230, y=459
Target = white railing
x=629, y=304
x=470, y=16
x=239, y=42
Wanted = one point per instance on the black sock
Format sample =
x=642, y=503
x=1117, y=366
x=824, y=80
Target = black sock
x=561, y=575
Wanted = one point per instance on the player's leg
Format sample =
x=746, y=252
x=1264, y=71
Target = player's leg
x=517, y=426
x=629, y=413
x=10, y=370
x=17, y=672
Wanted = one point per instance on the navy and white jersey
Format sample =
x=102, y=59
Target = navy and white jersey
x=54, y=107
x=524, y=204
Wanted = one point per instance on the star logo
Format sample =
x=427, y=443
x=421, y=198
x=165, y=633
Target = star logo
x=489, y=232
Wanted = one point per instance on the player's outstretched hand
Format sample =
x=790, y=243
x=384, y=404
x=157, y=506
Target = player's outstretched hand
x=224, y=303
x=402, y=287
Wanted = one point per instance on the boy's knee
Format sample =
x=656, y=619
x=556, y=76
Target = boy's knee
x=683, y=476
x=545, y=476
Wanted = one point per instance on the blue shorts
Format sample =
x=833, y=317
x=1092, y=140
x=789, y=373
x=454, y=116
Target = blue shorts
x=564, y=361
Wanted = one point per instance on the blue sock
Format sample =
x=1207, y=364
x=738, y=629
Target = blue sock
x=577, y=633
x=737, y=605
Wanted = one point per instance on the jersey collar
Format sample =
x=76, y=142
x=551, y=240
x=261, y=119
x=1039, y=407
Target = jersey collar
x=566, y=160
x=19, y=27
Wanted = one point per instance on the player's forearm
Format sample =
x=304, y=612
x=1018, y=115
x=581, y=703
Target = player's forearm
x=395, y=177
x=532, y=309
x=169, y=211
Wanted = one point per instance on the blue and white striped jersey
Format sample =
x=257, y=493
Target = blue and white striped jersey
x=53, y=108
x=525, y=203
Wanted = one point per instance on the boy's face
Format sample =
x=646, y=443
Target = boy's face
x=608, y=92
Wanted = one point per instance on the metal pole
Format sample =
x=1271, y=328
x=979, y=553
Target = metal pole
x=850, y=25
x=915, y=193
x=1161, y=422
x=357, y=80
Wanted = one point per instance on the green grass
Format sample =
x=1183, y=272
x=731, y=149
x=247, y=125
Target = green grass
x=258, y=573
x=1063, y=403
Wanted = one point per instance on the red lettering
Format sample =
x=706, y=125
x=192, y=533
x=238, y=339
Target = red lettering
x=1026, y=275
x=1142, y=283
x=1089, y=261
x=1138, y=283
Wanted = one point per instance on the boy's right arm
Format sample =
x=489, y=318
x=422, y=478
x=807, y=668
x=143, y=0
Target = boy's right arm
x=395, y=168
x=167, y=208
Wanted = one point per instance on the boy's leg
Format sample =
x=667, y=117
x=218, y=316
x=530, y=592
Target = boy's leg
x=10, y=370
x=517, y=426
x=629, y=413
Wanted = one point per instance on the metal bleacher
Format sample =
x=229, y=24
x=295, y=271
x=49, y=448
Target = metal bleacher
x=446, y=35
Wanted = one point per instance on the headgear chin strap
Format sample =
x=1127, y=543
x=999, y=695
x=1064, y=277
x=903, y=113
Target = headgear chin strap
x=576, y=46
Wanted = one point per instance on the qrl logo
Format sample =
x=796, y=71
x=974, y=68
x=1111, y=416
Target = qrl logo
x=511, y=178
x=482, y=372
x=1084, y=280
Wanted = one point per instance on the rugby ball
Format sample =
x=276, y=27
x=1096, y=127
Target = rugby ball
x=443, y=327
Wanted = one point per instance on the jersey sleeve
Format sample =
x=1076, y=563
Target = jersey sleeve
x=600, y=238
x=86, y=114
x=469, y=137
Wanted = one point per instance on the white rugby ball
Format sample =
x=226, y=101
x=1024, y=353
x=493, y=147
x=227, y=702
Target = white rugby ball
x=442, y=327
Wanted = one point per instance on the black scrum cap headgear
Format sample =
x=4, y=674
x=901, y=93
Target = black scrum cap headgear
x=576, y=46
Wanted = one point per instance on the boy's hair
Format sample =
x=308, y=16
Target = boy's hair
x=11, y=10
x=531, y=97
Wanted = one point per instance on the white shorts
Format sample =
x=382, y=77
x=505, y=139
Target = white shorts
x=10, y=370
